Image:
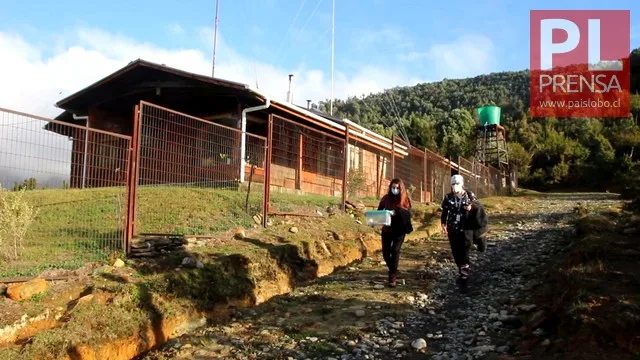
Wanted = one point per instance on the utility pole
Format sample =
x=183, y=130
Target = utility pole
x=333, y=22
x=215, y=41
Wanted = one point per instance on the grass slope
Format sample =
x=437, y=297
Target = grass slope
x=75, y=226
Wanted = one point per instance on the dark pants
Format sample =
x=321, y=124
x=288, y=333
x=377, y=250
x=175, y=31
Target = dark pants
x=460, y=247
x=391, y=244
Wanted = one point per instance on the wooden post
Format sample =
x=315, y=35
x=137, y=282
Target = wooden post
x=378, y=176
x=300, y=159
x=393, y=156
x=267, y=172
x=425, y=177
x=345, y=165
x=237, y=137
x=132, y=179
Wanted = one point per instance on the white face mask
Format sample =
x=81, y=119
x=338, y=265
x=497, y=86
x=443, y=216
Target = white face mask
x=457, y=188
x=395, y=191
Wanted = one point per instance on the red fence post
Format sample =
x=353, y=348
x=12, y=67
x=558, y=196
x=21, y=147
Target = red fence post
x=425, y=177
x=267, y=172
x=345, y=169
x=132, y=179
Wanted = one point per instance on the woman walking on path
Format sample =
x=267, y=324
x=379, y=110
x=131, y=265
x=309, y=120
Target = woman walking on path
x=455, y=212
x=398, y=202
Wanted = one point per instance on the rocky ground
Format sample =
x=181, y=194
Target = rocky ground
x=352, y=315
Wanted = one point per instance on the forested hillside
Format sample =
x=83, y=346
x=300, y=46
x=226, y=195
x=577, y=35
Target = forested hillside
x=585, y=153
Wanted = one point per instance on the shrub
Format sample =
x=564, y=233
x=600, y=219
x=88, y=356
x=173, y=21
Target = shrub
x=16, y=216
x=355, y=182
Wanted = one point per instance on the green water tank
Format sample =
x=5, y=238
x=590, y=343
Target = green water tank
x=489, y=115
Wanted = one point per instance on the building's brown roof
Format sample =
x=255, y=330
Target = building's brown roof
x=138, y=74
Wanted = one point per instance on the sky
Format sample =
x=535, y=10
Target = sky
x=51, y=49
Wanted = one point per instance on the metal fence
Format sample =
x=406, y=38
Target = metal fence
x=184, y=166
x=439, y=176
x=93, y=191
x=66, y=184
x=412, y=169
x=305, y=160
x=369, y=171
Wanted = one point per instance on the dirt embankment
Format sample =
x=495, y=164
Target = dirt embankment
x=591, y=293
x=118, y=313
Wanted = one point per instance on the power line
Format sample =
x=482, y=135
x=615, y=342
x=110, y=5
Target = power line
x=295, y=40
x=396, y=121
x=321, y=37
x=384, y=122
x=284, y=38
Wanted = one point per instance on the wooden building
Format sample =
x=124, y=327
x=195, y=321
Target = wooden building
x=308, y=147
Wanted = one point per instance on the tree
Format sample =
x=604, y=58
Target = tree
x=520, y=158
x=454, y=133
x=439, y=116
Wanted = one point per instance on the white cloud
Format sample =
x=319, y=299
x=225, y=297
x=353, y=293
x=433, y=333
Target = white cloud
x=386, y=35
x=469, y=55
x=176, y=29
x=32, y=82
x=34, y=76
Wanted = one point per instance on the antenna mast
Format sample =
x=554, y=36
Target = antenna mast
x=215, y=41
x=333, y=21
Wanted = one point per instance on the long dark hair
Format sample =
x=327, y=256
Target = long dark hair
x=401, y=200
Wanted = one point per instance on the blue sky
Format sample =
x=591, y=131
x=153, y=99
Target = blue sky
x=379, y=43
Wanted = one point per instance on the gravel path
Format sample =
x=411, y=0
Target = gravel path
x=351, y=315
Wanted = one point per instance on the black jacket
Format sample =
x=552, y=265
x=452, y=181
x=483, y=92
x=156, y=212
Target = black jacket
x=476, y=226
x=401, y=221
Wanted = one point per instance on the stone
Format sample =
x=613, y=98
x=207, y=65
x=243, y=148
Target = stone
x=419, y=344
x=293, y=230
x=545, y=343
x=26, y=290
x=118, y=263
x=483, y=348
x=240, y=234
x=191, y=262
x=378, y=287
x=360, y=313
x=335, y=235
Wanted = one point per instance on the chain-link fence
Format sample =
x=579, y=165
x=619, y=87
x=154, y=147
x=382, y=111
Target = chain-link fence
x=63, y=200
x=306, y=159
x=191, y=174
x=90, y=191
x=412, y=169
x=370, y=171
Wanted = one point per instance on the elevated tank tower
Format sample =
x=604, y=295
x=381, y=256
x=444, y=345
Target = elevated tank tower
x=491, y=139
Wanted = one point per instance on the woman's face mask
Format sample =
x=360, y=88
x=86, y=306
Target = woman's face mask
x=457, y=188
x=395, y=191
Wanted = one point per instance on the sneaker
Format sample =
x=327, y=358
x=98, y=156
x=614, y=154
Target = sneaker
x=392, y=280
